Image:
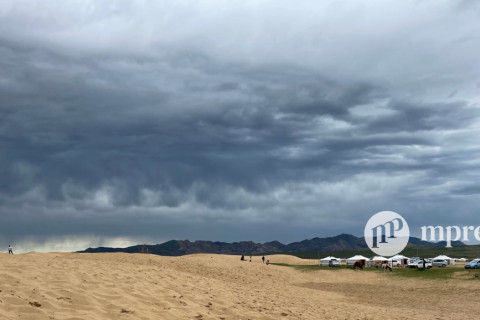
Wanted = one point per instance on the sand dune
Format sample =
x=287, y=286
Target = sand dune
x=134, y=286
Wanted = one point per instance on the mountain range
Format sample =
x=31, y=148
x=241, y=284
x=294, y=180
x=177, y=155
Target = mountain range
x=342, y=242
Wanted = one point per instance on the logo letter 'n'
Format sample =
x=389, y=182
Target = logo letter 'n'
x=375, y=231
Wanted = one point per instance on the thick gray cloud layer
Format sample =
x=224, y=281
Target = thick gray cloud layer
x=135, y=121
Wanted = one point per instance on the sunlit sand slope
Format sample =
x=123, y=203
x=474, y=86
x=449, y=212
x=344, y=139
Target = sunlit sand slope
x=136, y=286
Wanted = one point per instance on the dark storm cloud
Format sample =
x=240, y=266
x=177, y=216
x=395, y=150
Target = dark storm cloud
x=412, y=117
x=112, y=131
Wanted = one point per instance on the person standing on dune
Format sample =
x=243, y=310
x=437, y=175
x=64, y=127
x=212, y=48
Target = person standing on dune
x=10, y=249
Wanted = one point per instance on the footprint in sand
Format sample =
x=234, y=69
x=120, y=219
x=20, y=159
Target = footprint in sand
x=35, y=304
x=67, y=299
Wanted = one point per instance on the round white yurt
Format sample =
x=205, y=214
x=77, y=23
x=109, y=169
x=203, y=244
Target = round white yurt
x=444, y=257
x=325, y=261
x=377, y=260
x=400, y=258
x=352, y=260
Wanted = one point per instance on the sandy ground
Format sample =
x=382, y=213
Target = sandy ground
x=136, y=286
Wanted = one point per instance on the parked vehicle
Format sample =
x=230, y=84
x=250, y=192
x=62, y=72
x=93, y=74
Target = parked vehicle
x=474, y=264
x=395, y=263
x=412, y=263
x=418, y=264
x=440, y=263
x=334, y=263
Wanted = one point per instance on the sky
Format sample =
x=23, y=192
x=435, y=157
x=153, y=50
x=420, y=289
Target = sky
x=126, y=122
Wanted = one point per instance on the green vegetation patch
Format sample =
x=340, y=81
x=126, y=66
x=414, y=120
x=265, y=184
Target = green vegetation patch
x=432, y=274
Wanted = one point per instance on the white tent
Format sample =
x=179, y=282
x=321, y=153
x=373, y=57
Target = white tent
x=444, y=257
x=377, y=261
x=352, y=260
x=400, y=258
x=379, y=258
x=325, y=261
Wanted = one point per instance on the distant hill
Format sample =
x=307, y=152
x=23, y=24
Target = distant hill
x=340, y=243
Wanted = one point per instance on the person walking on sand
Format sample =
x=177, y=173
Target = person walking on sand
x=263, y=259
x=250, y=258
x=10, y=249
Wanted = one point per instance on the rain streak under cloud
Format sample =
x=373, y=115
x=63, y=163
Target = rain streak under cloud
x=131, y=122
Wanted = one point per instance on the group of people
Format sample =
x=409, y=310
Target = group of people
x=263, y=259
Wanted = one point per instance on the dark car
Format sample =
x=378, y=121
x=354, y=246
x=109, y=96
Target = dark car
x=475, y=264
